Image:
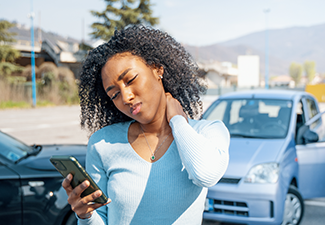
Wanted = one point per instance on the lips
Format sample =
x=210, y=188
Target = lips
x=135, y=109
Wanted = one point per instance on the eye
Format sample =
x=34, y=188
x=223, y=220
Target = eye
x=114, y=95
x=130, y=81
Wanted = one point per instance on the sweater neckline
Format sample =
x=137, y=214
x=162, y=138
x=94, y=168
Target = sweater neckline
x=137, y=155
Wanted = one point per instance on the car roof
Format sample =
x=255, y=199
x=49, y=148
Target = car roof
x=264, y=93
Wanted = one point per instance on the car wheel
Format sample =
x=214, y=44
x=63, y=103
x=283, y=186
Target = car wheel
x=72, y=220
x=293, y=207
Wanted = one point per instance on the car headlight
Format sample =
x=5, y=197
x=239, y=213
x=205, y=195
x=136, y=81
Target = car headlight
x=263, y=173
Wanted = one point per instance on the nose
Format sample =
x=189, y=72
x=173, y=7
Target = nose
x=127, y=96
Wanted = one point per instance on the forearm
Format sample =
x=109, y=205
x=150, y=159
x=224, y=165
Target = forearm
x=205, y=155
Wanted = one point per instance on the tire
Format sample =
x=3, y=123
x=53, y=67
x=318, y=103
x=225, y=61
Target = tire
x=293, y=208
x=72, y=220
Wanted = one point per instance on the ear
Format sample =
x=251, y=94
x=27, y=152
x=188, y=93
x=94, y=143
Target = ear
x=158, y=71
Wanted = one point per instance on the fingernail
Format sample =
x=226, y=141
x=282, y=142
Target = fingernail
x=98, y=193
x=69, y=177
x=85, y=184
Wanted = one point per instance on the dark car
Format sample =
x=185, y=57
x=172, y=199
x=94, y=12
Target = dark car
x=30, y=186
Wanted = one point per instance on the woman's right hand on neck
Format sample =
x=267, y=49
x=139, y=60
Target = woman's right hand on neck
x=173, y=107
x=82, y=206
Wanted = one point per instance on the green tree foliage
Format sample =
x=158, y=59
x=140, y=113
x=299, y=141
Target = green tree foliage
x=310, y=69
x=7, y=53
x=5, y=35
x=120, y=13
x=85, y=47
x=295, y=72
x=7, y=68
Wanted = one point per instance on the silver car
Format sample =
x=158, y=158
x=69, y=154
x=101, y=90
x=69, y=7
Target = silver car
x=277, y=157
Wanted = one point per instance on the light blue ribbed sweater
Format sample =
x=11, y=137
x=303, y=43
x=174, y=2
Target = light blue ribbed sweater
x=169, y=191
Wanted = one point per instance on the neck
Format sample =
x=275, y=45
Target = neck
x=158, y=127
x=159, y=124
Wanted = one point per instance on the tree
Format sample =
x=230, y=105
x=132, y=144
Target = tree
x=295, y=72
x=5, y=35
x=120, y=13
x=7, y=53
x=310, y=70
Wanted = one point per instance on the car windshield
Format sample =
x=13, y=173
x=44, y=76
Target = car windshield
x=12, y=149
x=252, y=118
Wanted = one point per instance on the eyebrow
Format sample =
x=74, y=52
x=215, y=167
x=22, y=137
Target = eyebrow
x=120, y=77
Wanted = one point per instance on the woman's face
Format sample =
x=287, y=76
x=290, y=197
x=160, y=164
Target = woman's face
x=135, y=88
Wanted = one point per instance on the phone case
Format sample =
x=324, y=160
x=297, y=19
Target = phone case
x=69, y=164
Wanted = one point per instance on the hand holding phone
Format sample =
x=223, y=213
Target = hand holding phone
x=70, y=165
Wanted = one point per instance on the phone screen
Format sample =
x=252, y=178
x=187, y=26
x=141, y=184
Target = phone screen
x=69, y=164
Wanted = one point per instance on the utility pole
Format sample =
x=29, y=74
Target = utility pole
x=266, y=11
x=82, y=31
x=39, y=29
x=31, y=15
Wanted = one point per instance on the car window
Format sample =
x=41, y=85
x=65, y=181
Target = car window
x=300, y=120
x=311, y=112
x=311, y=108
x=254, y=118
x=219, y=111
x=305, y=114
x=12, y=149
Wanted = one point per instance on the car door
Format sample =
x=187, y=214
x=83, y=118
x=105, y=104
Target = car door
x=311, y=156
x=10, y=196
x=39, y=199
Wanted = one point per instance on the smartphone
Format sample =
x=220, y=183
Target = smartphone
x=69, y=164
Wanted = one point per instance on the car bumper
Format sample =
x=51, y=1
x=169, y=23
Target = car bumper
x=246, y=203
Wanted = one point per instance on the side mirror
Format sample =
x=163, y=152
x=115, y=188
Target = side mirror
x=310, y=136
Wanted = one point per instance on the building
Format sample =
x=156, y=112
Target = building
x=282, y=81
x=48, y=47
x=218, y=74
x=248, y=71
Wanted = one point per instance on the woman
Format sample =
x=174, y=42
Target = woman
x=139, y=94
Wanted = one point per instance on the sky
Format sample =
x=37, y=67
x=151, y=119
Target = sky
x=192, y=22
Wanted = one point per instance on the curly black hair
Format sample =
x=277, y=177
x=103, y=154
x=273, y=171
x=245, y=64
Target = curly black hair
x=157, y=49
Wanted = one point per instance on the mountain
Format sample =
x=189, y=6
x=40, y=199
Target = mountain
x=294, y=44
x=230, y=53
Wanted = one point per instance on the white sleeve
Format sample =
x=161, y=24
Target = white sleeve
x=205, y=154
x=95, y=219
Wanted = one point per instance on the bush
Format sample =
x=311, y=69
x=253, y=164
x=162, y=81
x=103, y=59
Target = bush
x=57, y=86
x=66, y=75
x=48, y=78
x=27, y=73
x=7, y=68
x=48, y=67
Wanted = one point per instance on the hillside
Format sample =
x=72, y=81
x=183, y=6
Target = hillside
x=230, y=54
x=285, y=46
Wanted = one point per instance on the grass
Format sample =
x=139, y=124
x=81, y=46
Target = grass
x=13, y=104
x=23, y=104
